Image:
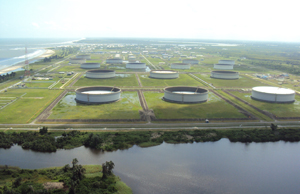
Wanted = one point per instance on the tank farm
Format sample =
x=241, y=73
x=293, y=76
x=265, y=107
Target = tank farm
x=169, y=92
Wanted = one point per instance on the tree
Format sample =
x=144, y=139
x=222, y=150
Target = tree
x=17, y=182
x=76, y=176
x=44, y=130
x=273, y=127
x=107, y=169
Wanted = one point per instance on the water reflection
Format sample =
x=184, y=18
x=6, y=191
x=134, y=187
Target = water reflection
x=211, y=167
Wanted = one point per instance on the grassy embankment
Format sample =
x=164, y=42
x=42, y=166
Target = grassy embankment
x=213, y=108
x=280, y=110
x=126, y=108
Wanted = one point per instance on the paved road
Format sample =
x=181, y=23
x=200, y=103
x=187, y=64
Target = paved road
x=152, y=126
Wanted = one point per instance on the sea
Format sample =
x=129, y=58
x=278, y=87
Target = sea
x=12, y=50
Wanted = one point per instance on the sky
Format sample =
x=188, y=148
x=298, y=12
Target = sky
x=262, y=20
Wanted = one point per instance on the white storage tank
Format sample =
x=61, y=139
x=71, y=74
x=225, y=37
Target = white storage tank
x=228, y=62
x=90, y=65
x=97, y=94
x=225, y=75
x=273, y=94
x=77, y=60
x=83, y=56
x=136, y=65
x=100, y=74
x=180, y=66
x=114, y=61
x=191, y=61
x=164, y=74
x=185, y=94
x=223, y=66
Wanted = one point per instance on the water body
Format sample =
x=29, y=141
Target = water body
x=12, y=50
x=211, y=167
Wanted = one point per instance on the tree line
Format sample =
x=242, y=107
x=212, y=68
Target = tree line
x=45, y=141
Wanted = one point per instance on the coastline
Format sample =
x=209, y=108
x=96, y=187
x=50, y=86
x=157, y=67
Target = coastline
x=48, y=53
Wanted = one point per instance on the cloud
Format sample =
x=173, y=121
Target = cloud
x=35, y=24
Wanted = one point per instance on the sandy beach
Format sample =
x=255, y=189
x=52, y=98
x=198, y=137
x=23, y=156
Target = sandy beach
x=48, y=53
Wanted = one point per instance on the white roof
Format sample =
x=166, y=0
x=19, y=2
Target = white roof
x=273, y=90
x=97, y=92
x=164, y=71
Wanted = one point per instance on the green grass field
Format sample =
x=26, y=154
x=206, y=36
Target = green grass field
x=183, y=80
x=119, y=80
x=281, y=110
x=213, y=108
x=242, y=82
x=28, y=107
x=127, y=108
x=69, y=68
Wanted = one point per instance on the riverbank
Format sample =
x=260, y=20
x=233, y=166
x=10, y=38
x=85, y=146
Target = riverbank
x=48, y=53
x=110, y=141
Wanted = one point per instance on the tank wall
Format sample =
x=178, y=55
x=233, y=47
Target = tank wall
x=229, y=62
x=164, y=76
x=77, y=61
x=285, y=98
x=100, y=75
x=225, y=67
x=175, y=66
x=136, y=66
x=225, y=75
x=88, y=98
x=185, y=98
x=190, y=62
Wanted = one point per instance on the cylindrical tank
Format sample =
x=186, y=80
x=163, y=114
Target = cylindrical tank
x=114, y=61
x=83, y=56
x=180, y=66
x=136, y=65
x=100, y=74
x=225, y=75
x=97, y=94
x=223, y=66
x=90, y=65
x=273, y=94
x=228, y=62
x=184, y=94
x=190, y=61
x=164, y=74
x=77, y=60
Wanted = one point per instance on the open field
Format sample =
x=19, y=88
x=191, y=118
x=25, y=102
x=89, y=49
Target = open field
x=126, y=108
x=119, y=80
x=213, y=108
x=280, y=110
x=26, y=108
x=242, y=82
x=183, y=80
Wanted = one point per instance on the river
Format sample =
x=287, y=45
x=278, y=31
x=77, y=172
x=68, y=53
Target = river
x=210, y=167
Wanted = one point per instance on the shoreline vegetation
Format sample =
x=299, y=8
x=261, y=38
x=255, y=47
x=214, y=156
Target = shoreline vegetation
x=60, y=180
x=51, y=141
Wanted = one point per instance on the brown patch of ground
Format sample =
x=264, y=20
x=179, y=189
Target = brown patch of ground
x=53, y=185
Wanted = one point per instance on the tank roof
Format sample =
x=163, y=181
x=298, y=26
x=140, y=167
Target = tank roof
x=186, y=90
x=180, y=63
x=273, y=90
x=233, y=72
x=163, y=71
x=101, y=70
